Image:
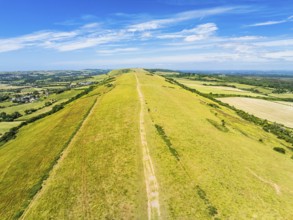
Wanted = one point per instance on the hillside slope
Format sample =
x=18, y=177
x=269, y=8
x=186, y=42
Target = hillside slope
x=143, y=148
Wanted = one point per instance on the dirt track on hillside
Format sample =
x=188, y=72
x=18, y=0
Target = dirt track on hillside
x=152, y=186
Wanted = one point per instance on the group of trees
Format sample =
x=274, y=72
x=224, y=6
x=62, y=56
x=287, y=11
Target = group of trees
x=9, y=117
x=4, y=98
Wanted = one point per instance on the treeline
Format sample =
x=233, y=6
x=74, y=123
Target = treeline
x=159, y=70
x=277, y=129
x=9, y=117
x=280, y=85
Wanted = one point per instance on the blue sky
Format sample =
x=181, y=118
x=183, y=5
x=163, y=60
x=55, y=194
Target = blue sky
x=174, y=34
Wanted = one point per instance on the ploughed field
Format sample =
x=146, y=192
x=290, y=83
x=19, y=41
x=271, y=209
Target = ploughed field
x=140, y=147
x=279, y=112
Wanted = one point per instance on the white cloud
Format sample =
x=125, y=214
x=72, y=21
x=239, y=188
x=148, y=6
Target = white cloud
x=180, y=17
x=62, y=41
x=34, y=39
x=276, y=43
x=87, y=42
x=283, y=55
x=246, y=38
x=150, y=25
x=118, y=50
x=200, y=32
x=91, y=25
x=266, y=23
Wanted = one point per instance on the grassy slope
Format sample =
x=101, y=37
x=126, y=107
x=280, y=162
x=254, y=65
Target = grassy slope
x=231, y=171
x=25, y=160
x=102, y=176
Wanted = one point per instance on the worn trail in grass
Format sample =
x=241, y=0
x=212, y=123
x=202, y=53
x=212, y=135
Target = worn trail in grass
x=152, y=186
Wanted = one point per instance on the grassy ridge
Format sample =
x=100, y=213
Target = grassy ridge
x=221, y=174
x=26, y=161
x=102, y=176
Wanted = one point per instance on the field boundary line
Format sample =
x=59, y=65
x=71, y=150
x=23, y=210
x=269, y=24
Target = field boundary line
x=62, y=156
x=152, y=187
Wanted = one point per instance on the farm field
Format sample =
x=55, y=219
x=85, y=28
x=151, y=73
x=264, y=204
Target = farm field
x=5, y=126
x=284, y=95
x=272, y=111
x=225, y=90
x=40, y=111
x=125, y=152
x=40, y=103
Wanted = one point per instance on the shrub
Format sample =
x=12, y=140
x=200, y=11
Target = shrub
x=29, y=111
x=280, y=150
x=48, y=103
x=56, y=108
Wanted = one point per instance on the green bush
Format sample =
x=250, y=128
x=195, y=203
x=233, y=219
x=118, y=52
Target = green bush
x=280, y=150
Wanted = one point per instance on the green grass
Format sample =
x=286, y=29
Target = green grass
x=241, y=89
x=209, y=162
x=219, y=172
x=6, y=126
x=41, y=111
x=101, y=176
x=6, y=104
x=7, y=86
x=26, y=161
x=245, y=86
x=40, y=103
x=216, y=89
x=283, y=95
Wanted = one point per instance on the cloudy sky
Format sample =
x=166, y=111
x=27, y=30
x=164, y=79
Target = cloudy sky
x=175, y=34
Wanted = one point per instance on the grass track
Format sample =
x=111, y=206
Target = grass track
x=152, y=186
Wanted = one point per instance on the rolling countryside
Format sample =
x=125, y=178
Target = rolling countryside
x=140, y=145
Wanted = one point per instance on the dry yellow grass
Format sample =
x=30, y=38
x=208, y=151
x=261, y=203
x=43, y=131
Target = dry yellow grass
x=272, y=111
